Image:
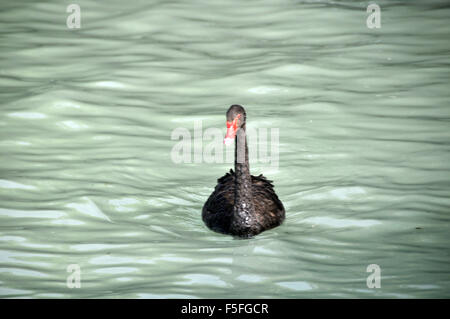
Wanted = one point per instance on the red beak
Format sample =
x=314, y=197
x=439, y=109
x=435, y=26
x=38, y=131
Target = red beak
x=231, y=130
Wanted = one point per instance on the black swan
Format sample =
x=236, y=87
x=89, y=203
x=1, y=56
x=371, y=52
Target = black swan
x=242, y=205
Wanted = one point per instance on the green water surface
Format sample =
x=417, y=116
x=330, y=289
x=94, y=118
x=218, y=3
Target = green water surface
x=87, y=176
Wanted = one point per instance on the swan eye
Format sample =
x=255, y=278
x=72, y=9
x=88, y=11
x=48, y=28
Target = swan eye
x=234, y=123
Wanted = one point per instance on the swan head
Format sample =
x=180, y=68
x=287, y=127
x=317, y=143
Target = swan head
x=235, y=120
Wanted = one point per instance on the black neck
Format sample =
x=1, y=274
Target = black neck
x=243, y=209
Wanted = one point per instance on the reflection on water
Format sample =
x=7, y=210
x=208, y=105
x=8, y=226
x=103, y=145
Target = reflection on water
x=85, y=138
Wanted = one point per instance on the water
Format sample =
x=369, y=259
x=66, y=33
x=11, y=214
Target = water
x=86, y=174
